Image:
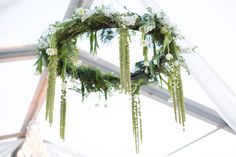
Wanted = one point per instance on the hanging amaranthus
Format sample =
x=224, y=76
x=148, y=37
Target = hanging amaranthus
x=63, y=97
x=176, y=92
x=63, y=110
x=93, y=43
x=145, y=47
x=52, y=69
x=137, y=121
x=125, y=79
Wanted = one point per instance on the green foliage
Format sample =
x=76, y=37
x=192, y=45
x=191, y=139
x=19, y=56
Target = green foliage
x=106, y=35
x=136, y=115
x=125, y=79
x=93, y=42
x=103, y=25
x=93, y=80
x=63, y=114
x=52, y=69
x=176, y=91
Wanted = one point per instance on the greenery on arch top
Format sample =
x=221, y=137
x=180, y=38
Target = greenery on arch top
x=59, y=54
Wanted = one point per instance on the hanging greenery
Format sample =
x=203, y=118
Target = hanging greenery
x=125, y=81
x=58, y=53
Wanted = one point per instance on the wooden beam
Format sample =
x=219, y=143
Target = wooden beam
x=37, y=101
x=15, y=135
x=17, y=53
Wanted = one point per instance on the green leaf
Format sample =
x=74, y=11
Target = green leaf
x=39, y=64
x=151, y=68
x=167, y=40
x=91, y=43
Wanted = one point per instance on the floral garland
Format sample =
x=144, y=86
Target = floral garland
x=59, y=54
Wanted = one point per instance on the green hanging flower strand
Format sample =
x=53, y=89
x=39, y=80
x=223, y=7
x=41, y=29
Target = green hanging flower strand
x=136, y=121
x=125, y=79
x=63, y=111
x=52, y=70
x=176, y=91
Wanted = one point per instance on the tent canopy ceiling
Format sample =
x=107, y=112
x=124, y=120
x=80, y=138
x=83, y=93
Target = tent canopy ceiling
x=199, y=29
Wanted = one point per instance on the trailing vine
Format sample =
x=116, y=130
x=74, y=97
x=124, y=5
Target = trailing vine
x=125, y=80
x=59, y=54
x=52, y=68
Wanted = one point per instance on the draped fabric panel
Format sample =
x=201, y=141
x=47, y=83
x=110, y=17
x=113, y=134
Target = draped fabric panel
x=220, y=94
x=60, y=151
x=6, y=148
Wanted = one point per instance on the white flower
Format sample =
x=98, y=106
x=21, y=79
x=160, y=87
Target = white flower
x=80, y=11
x=51, y=51
x=169, y=56
x=108, y=12
x=147, y=28
x=176, y=63
x=141, y=28
x=129, y=20
x=164, y=30
x=85, y=17
x=146, y=71
x=166, y=21
x=144, y=43
x=44, y=40
x=154, y=61
x=83, y=14
x=146, y=63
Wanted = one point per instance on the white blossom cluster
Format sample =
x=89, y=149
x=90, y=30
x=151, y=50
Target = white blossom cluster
x=126, y=19
x=45, y=39
x=169, y=57
x=129, y=20
x=33, y=145
x=84, y=14
x=147, y=28
x=51, y=51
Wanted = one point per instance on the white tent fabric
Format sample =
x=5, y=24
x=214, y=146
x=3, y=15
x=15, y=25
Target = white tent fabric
x=61, y=151
x=6, y=148
x=222, y=96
